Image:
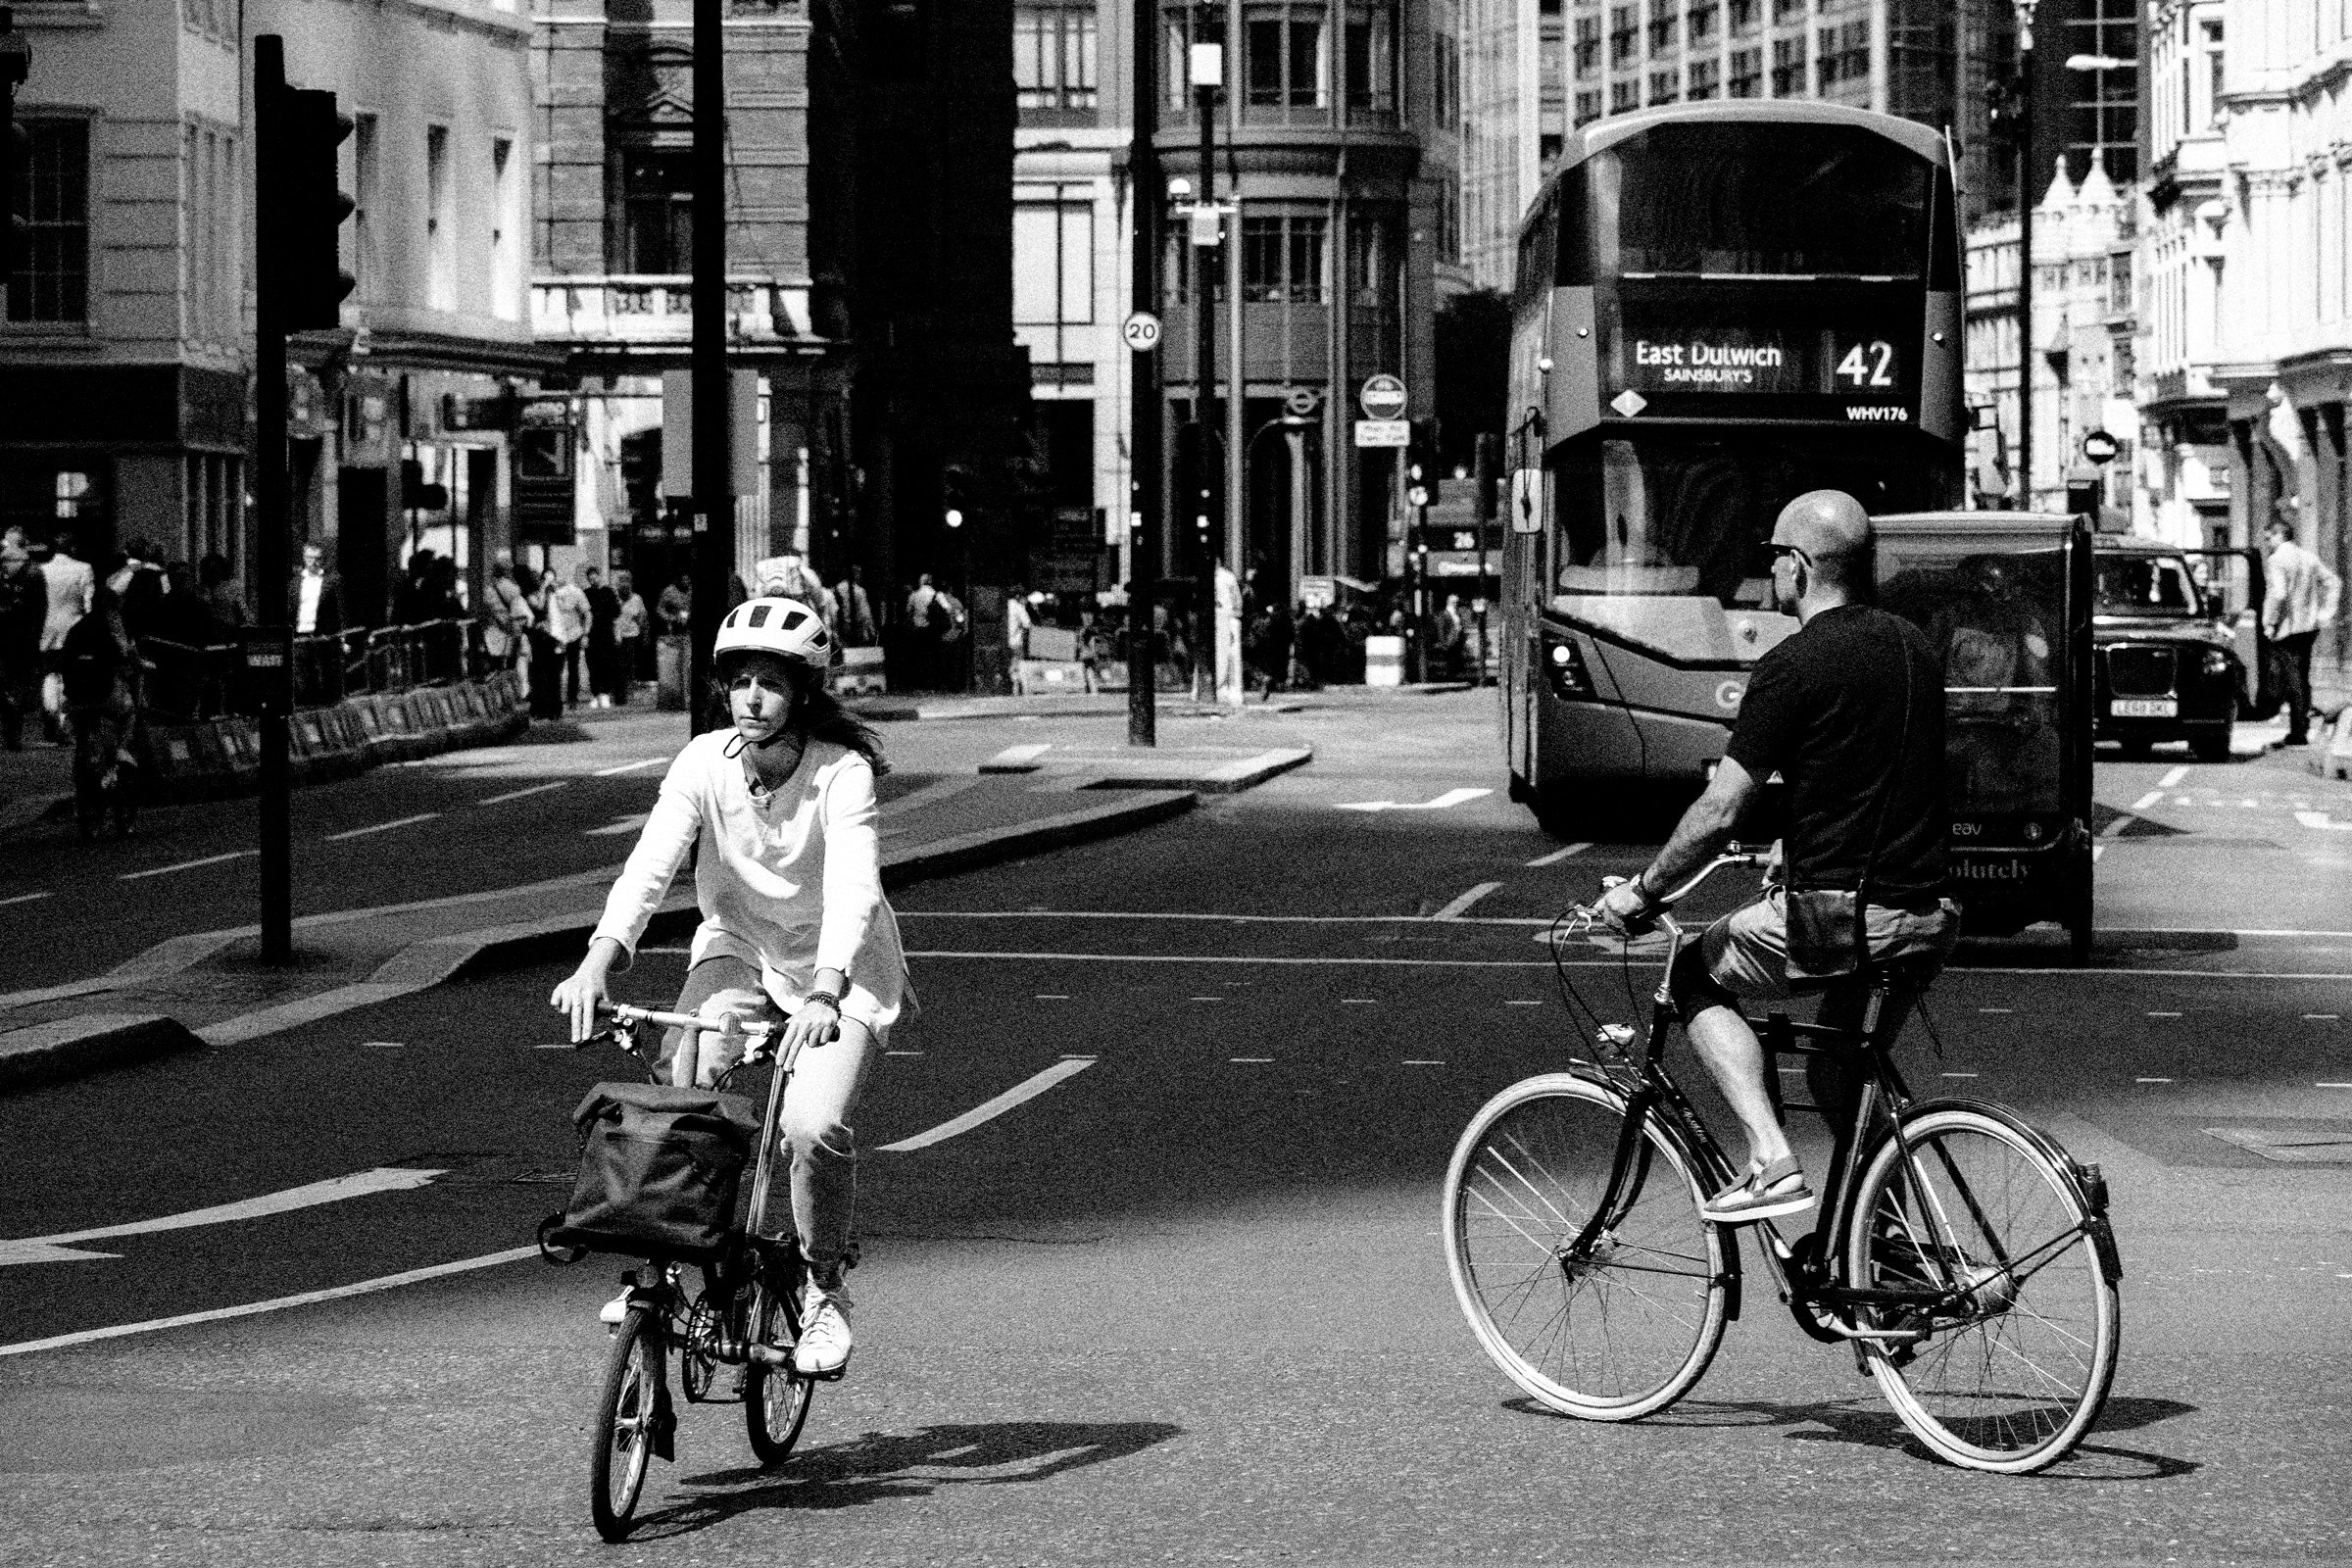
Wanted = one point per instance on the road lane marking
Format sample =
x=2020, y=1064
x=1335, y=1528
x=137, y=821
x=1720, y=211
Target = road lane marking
x=1445, y=801
x=2322, y=1017
x=629, y=767
x=902, y=1052
x=1254, y=1061
x=2323, y=822
x=2171, y=780
x=187, y=866
x=1996, y=1009
x=2332, y=1086
x=2151, y=1080
x=1420, y=1061
x=990, y=1109
x=1516, y=1003
x=1208, y=999
x=2148, y=800
x=1462, y=905
x=382, y=1045
x=1557, y=855
x=24, y=898
x=517, y=795
x=618, y=827
x=931, y=794
x=2036, y=971
x=359, y=1183
x=2163, y=1015
x=1053, y=995
x=380, y=827
x=219, y=1314
x=1958, y=1075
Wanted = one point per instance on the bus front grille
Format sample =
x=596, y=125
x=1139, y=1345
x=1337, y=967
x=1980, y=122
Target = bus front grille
x=2140, y=671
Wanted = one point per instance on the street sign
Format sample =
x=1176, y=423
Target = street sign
x=1141, y=331
x=1382, y=398
x=1302, y=402
x=2100, y=447
x=1383, y=432
x=1530, y=498
x=1318, y=591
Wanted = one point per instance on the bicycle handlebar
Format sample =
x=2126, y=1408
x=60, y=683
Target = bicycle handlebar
x=765, y=1038
x=1733, y=855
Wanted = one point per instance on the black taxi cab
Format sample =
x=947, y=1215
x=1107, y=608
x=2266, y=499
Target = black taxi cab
x=2165, y=667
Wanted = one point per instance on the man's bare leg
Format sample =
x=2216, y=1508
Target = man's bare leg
x=1733, y=1054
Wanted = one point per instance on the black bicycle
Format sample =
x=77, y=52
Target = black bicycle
x=746, y=1315
x=1963, y=1255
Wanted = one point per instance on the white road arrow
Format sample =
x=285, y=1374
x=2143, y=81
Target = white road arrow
x=1449, y=797
x=359, y=1184
x=2323, y=822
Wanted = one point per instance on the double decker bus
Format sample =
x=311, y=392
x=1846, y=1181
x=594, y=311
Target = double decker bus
x=1718, y=306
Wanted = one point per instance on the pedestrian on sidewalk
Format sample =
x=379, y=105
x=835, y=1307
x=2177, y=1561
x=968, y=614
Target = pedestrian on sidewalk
x=103, y=686
x=568, y=621
x=2300, y=595
x=73, y=587
x=857, y=629
x=505, y=617
x=628, y=635
x=795, y=926
x=603, y=644
x=24, y=607
x=219, y=590
x=546, y=674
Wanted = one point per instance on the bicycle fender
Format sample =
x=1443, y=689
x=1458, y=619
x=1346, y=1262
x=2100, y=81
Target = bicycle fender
x=2088, y=1182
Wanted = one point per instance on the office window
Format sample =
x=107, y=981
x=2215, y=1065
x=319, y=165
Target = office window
x=1372, y=59
x=1283, y=259
x=1665, y=25
x=366, y=180
x=1588, y=107
x=1624, y=95
x=1587, y=45
x=1285, y=49
x=1788, y=68
x=1373, y=261
x=656, y=212
x=1625, y=35
x=440, y=222
x=1742, y=14
x=1783, y=10
x=1843, y=54
x=1748, y=73
x=1052, y=273
x=1446, y=82
x=1665, y=86
x=1703, y=23
x=1054, y=58
x=51, y=278
x=1705, y=77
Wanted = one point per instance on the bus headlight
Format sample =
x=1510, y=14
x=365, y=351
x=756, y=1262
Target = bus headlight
x=1565, y=668
x=2217, y=663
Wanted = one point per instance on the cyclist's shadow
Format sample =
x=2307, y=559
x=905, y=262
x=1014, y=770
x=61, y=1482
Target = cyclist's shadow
x=884, y=1466
x=1877, y=1426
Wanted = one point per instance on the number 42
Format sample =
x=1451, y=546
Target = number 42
x=1868, y=364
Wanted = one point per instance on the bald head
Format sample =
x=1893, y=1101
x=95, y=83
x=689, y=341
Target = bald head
x=1832, y=530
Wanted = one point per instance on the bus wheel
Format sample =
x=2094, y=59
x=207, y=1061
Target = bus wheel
x=1553, y=814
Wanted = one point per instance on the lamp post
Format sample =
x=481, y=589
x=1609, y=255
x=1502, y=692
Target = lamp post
x=1144, y=411
x=1207, y=73
x=2025, y=254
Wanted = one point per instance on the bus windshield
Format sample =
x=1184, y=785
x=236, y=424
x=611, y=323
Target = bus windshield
x=2145, y=585
x=1688, y=514
x=1779, y=200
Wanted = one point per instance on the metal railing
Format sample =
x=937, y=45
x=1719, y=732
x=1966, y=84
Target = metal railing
x=185, y=683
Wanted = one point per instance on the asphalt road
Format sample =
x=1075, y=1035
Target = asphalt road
x=1188, y=1303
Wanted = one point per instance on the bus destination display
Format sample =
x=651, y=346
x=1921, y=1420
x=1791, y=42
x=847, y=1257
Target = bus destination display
x=1731, y=359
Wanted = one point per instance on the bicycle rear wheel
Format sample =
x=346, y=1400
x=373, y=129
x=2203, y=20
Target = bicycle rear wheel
x=775, y=1398
x=2019, y=1348
x=1623, y=1331
x=625, y=1413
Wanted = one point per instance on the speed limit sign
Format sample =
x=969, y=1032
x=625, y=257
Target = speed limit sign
x=1141, y=331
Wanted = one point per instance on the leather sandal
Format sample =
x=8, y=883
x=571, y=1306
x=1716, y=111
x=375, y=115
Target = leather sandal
x=1765, y=1193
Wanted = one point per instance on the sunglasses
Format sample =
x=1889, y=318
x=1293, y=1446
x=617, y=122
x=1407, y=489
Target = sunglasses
x=1778, y=550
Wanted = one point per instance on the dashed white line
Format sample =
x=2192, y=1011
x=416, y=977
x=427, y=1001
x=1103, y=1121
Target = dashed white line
x=1996, y=1009
x=1958, y=1075
x=1208, y=999
x=382, y=1045
x=187, y=866
x=2332, y=1086
x=1358, y=1002
x=517, y=795
x=24, y=898
x=988, y=1111
x=380, y=827
x=2151, y=1080
x=1421, y=1061
x=2171, y=780
x=1051, y=996
x=1557, y=855
x=1253, y=1061
x=2163, y=1015
x=1516, y=1002
x=630, y=767
x=902, y=1052
x=1462, y=905
x=2148, y=800
x=2322, y=1017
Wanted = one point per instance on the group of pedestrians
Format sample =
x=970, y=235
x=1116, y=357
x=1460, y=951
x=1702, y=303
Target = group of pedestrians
x=552, y=629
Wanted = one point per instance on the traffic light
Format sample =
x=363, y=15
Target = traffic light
x=1488, y=477
x=303, y=206
x=1422, y=487
x=1200, y=482
x=954, y=494
x=14, y=145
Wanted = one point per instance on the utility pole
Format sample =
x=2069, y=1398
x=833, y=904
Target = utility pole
x=1208, y=75
x=1487, y=467
x=1144, y=434
x=711, y=506
x=298, y=285
x=2025, y=254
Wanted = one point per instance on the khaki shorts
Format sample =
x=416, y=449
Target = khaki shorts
x=1746, y=951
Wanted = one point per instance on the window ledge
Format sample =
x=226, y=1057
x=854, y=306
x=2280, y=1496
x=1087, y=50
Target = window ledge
x=48, y=335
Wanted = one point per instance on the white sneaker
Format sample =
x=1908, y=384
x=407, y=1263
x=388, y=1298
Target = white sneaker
x=825, y=1341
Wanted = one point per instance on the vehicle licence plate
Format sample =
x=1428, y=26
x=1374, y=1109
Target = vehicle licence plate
x=2144, y=707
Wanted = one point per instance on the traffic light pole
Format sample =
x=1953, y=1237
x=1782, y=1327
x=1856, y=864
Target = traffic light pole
x=713, y=503
x=1206, y=642
x=272, y=536
x=1146, y=434
x=2024, y=254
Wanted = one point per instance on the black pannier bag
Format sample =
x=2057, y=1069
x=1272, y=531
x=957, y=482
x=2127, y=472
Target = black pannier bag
x=660, y=1168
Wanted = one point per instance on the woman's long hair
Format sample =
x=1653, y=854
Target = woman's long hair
x=817, y=714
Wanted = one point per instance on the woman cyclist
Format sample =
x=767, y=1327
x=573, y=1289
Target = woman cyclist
x=788, y=879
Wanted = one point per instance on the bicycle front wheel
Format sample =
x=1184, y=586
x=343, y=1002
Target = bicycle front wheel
x=625, y=1413
x=2018, y=1320
x=775, y=1398
x=1624, y=1327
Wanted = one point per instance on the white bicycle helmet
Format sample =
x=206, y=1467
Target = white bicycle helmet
x=785, y=627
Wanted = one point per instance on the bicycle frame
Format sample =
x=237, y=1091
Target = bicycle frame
x=1815, y=1293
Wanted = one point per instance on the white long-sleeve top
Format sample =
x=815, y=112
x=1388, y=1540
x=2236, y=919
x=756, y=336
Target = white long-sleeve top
x=789, y=880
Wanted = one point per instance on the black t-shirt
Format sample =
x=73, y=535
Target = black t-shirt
x=1825, y=709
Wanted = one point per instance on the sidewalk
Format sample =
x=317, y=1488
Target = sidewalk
x=210, y=988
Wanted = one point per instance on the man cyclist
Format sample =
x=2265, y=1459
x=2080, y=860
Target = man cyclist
x=1849, y=712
